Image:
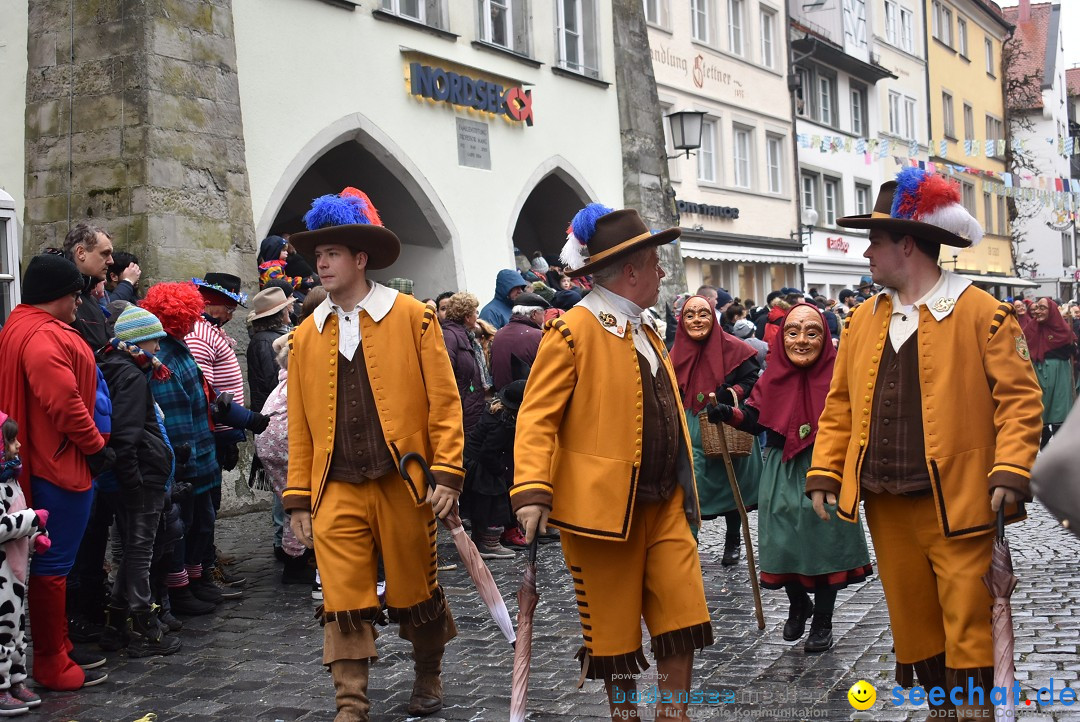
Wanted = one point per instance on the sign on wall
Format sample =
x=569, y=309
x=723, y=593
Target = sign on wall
x=701, y=209
x=837, y=244
x=473, y=150
x=447, y=86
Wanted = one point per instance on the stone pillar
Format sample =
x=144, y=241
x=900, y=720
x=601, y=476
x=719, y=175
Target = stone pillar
x=133, y=123
x=646, y=183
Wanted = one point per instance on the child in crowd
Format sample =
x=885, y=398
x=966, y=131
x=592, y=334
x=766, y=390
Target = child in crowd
x=18, y=526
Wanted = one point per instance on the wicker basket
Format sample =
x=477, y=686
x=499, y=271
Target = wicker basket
x=739, y=443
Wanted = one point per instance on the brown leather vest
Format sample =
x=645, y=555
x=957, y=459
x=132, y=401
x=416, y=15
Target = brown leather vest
x=360, y=450
x=895, y=460
x=659, y=434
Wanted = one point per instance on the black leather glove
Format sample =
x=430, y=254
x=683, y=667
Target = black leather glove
x=183, y=454
x=220, y=407
x=180, y=490
x=228, y=456
x=101, y=461
x=258, y=423
x=719, y=413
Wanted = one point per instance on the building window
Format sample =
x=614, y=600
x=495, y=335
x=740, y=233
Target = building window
x=1066, y=250
x=994, y=128
x=699, y=20
x=428, y=12
x=1002, y=218
x=988, y=209
x=941, y=23
x=862, y=199
x=969, y=197
x=947, y=114
x=907, y=30
x=706, y=156
x=742, y=159
x=9, y=263
x=656, y=12
x=505, y=23
x=577, y=32
x=969, y=122
x=774, y=152
x=858, y=110
x=809, y=191
x=991, y=69
x=826, y=90
x=735, y=26
x=909, y=118
x=892, y=22
x=768, y=34
x=831, y=194
x=895, y=121
x=802, y=93
x=961, y=36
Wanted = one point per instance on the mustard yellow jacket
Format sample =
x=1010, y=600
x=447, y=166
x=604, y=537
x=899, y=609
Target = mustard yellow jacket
x=411, y=379
x=981, y=406
x=578, y=444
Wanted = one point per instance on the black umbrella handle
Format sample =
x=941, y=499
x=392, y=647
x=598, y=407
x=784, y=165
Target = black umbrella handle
x=1001, y=522
x=532, y=547
x=429, y=478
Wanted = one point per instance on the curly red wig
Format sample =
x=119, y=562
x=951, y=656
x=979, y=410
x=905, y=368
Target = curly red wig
x=177, y=306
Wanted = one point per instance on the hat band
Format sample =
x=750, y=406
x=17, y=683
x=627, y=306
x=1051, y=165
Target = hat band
x=879, y=214
x=617, y=249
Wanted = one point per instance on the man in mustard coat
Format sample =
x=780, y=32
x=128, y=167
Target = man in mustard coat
x=370, y=381
x=603, y=453
x=933, y=420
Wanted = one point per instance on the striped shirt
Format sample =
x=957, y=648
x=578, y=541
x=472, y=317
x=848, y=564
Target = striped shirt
x=213, y=351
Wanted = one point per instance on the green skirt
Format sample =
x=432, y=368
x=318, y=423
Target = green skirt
x=791, y=537
x=1056, y=380
x=714, y=491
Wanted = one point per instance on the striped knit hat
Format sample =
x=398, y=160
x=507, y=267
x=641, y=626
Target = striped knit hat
x=137, y=324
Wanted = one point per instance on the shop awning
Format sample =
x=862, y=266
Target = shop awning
x=704, y=251
x=989, y=280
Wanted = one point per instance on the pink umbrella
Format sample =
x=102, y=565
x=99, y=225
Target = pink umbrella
x=1001, y=582
x=527, y=599
x=470, y=555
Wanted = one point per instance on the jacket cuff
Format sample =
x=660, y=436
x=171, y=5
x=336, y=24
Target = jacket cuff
x=1012, y=477
x=295, y=500
x=823, y=480
x=531, y=492
x=449, y=476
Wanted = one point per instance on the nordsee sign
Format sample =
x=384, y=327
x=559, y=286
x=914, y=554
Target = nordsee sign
x=449, y=87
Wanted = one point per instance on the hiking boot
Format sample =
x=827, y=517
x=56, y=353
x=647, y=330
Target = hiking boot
x=115, y=635
x=227, y=593
x=22, y=693
x=11, y=705
x=224, y=578
x=513, y=538
x=148, y=637
x=83, y=631
x=86, y=659
x=427, y=689
x=799, y=610
x=183, y=601
x=297, y=571
x=494, y=551
x=206, y=590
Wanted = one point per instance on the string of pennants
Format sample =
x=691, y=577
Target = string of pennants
x=882, y=148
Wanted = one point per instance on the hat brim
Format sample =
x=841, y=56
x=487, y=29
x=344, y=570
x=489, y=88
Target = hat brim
x=656, y=239
x=917, y=229
x=380, y=244
x=229, y=296
x=271, y=311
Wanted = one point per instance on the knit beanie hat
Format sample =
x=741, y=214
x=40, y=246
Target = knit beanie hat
x=49, y=277
x=137, y=324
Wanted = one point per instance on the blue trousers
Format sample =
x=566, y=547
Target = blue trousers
x=69, y=512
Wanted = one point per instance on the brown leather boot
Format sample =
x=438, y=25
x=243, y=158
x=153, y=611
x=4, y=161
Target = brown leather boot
x=427, y=689
x=932, y=673
x=673, y=675
x=975, y=685
x=350, y=686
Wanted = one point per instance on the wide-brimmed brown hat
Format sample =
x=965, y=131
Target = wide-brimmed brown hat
x=268, y=302
x=347, y=219
x=929, y=208
x=617, y=234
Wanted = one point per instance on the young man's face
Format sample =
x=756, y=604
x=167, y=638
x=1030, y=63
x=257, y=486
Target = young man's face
x=443, y=305
x=339, y=267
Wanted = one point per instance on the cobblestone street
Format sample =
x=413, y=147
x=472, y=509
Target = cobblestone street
x=259, y=658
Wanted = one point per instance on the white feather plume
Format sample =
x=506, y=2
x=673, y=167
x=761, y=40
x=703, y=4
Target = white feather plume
x=955, y=219
x=573, y=253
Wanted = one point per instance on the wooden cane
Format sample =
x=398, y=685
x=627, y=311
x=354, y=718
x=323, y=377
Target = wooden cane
x=745, y=527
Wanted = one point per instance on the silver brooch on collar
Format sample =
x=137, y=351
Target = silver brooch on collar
x=944, y=305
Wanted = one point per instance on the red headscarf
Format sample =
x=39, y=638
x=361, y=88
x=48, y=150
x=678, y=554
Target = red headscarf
x=790, y=398
x=701, y=366
x=1048, y=335
x=1026, y=321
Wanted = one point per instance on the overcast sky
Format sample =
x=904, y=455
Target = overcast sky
x=1070, y=18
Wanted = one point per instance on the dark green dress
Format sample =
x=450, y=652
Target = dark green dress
x=714, y=491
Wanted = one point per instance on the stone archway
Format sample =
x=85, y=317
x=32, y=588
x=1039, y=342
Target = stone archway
x=556, y=194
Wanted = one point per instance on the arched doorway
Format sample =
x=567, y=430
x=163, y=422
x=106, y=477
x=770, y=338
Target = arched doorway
x=356, y=158
x=547, y=211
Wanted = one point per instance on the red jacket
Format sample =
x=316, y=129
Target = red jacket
x=48, y=381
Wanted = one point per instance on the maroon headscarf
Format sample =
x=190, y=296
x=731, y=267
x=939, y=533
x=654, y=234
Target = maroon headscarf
x=1026, y=321
x=790, y=398
x=701, y=366
x=1048, y=335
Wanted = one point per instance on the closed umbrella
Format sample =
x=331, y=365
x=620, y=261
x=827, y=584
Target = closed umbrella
x=527, y=599
x=1001, y=582
x=470, y=555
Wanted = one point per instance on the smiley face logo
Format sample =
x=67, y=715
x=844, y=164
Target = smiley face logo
x=862, y=695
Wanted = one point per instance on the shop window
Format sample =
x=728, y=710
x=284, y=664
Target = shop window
x=428, y=12
x=578, y=37
x=505, y=23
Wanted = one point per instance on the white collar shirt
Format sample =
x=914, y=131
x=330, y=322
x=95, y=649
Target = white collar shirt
x=377, y=303
x=940, y=300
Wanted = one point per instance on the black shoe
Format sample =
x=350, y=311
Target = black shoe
x=820, y=639
x=148, y=637
x=115, y=636
x=732, y=552
x=172, y=624
x=800, y=609
x=82, y=631
x=227, y=593
x=206, y=590
x=183, y=601
x=85, y=659
x=94, y=677
x=297, y=571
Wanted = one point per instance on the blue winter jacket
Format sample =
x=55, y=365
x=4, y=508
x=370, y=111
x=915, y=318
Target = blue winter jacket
x=497, y=311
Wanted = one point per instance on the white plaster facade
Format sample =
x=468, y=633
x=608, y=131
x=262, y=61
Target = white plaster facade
x=13, y=64
x=728, y=59
x=315, y=75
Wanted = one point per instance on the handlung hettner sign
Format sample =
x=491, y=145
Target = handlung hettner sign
x=456, y=89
